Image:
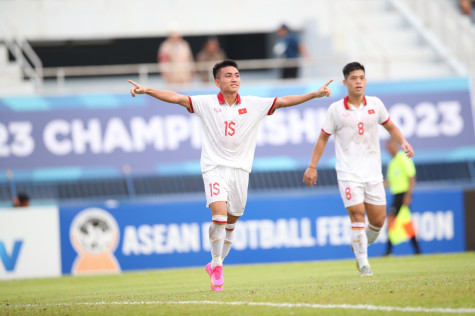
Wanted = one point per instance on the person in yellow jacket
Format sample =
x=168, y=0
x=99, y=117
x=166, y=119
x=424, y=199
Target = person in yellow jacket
x=401, y=178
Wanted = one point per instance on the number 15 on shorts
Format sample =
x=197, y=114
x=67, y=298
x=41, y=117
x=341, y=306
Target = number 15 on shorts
x=214, y=189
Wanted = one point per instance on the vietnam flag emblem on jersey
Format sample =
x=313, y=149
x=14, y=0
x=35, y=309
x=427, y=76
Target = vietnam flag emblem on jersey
x=371, y=111
x=242, y=111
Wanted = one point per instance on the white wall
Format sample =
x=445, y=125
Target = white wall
x=35, y=231
x=103, y=19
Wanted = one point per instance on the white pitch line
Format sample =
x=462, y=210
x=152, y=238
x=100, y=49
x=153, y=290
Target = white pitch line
x=288, y=305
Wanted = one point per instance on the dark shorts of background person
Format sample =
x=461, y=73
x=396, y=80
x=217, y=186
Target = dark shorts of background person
x=394, y=210
x=397, y=203
x=290, y=72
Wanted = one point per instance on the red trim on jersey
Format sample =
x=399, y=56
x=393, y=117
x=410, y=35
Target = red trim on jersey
x=386, y=121
x=272, y=110
x=221, y=98
x=345, y=102
x=191, y=106
x=222, y=101
x=326, y=132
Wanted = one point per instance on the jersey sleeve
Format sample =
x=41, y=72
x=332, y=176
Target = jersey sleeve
x=264, y=106
x=197, y=103
x=328, y=126
x=383, y=113
x=272, y=108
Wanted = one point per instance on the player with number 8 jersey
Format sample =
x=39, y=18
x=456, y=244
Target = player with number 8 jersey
x=355, y=121
x=229, y=129
x=356, y=138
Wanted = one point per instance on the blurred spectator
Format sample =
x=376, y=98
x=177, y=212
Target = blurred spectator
x=21, y=200
x=401, y=178
x=468, y=8
x=211, y=52
x=175, y=55
x=288, y=46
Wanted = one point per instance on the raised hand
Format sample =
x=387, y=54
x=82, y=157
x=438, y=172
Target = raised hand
x=137, y=89
x=325, y=90
x=407, y=149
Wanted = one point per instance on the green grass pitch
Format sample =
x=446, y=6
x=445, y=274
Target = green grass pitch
x=412, y=285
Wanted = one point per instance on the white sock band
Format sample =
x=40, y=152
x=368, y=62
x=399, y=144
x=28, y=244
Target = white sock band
x=216, y=238
x=372, y=233
x=228, y=241
x=359, y=242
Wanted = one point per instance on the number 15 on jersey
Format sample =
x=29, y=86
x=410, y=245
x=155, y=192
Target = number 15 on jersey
x=230, y=128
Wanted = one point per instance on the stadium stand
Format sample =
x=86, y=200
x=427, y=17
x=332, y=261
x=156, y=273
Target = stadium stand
x=402, y=39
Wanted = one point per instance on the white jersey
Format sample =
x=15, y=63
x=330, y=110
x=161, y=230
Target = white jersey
x=229, y=132
x=358, y=155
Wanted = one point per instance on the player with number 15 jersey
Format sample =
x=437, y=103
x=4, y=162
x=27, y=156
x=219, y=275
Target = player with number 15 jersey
x=229, y=128
x=229, y=132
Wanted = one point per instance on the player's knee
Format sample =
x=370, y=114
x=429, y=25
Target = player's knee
x=232, y=219
x=378, y=221
x=357, y=216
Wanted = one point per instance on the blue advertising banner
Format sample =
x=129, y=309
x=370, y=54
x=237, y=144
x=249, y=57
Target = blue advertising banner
x=95, y=239
x=91, y=135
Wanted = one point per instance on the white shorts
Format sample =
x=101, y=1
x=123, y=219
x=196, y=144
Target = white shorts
x=353, y=193
x=229, y=185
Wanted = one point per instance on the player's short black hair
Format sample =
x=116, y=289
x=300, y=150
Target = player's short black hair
x=352, y=67
x=224, y=63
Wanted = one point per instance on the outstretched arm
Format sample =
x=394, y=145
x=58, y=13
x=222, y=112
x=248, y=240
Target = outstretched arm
x=292, y=100
x=399, y=138
x=310, y=176
x=163, y=95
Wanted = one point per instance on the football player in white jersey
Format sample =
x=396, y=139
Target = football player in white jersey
x=354, y=121
x=229, y=127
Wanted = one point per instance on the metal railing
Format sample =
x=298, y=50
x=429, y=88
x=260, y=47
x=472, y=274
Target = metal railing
x=24, y=54
x=456, y=32
x=128, y=186
x=143, y=71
